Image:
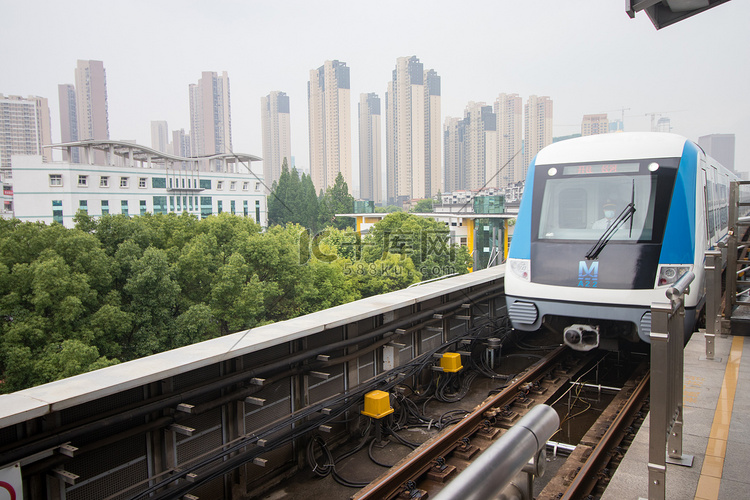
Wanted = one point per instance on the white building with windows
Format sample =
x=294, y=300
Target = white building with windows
x=137, y=180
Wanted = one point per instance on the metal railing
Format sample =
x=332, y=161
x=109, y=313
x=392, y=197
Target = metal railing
x=738, y=264
x=667, y=367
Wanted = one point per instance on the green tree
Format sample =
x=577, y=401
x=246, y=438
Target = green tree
x=69, y=358
x=309, y=204
x=152, y=293
x=117, y=288
x=388, y=209
x=422, y=206
x=422, y=239
x=336, y=199
x=387, y=274
x=278, y=211
x=293, y=200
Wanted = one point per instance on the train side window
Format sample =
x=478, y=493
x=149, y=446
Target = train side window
x=572, y=209
x=706, y=205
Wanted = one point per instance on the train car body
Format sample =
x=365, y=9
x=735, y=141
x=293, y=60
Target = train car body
x=606, y=224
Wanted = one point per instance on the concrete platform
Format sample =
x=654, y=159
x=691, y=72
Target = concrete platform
x=740, y=321
x=716, y=430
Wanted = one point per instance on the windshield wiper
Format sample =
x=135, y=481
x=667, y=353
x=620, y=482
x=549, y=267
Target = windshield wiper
x=627, y=213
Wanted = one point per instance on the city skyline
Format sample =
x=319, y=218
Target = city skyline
x=617, y=72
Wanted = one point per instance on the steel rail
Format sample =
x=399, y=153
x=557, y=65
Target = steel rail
x=421, y=460
x=586, y=479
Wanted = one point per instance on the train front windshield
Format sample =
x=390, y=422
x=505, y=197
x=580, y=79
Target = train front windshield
x=581, y=202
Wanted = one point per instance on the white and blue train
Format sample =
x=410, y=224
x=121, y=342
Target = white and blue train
x=606, y=224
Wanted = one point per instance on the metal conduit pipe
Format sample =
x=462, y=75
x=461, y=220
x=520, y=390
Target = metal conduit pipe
x=556, y=446
x=597, y=387
x=31, y=446
x=489, y=474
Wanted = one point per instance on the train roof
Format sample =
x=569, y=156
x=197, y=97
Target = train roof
x=615, y=146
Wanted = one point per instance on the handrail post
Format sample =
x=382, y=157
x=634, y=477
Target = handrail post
x=657, y=466
x=713, y=268
x=667, y=372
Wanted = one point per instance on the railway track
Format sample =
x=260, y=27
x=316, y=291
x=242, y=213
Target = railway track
x=427, y=470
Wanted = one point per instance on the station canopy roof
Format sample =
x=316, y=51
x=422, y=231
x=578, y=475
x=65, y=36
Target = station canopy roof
x=144, y=153
x=667, y=12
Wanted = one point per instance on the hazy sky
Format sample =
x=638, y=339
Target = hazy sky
x=587, y=55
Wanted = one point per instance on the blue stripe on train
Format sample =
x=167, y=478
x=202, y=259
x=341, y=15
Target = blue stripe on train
x=679, y=234
x=520, y=247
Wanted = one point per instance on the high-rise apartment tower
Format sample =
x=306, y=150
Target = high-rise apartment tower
x=413, y=132
x=594, y=124
x=91, y=104
x=24, y=128
x=277, y=142
x=329, y=124
x=453, y=146
x=509, y=114
x=160, y=136
x=538, y=131
x=66, y=95
x=370, y=156
x=210, y=118
x=471, y=149
x=719, y=146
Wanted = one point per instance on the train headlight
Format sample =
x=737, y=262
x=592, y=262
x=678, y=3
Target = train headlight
x=670, y=274
x=521, y=268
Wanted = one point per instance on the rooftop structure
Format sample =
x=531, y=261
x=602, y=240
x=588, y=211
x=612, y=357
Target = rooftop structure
x=133, y=181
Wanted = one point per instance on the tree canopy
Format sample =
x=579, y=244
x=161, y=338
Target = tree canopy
x=117, y=288
x=293, y=200
x=422, y=206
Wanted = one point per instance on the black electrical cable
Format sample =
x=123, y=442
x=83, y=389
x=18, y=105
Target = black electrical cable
x=402, y=439
x=372, y=457
x=224, y=464
x=319, y=470
x=451, y=420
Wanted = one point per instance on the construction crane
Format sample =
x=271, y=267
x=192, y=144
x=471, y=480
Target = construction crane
x=622, y=114
x=621, y=110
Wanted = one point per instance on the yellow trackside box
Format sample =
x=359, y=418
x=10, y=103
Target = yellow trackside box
x=377, y=404
x=451, y=362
